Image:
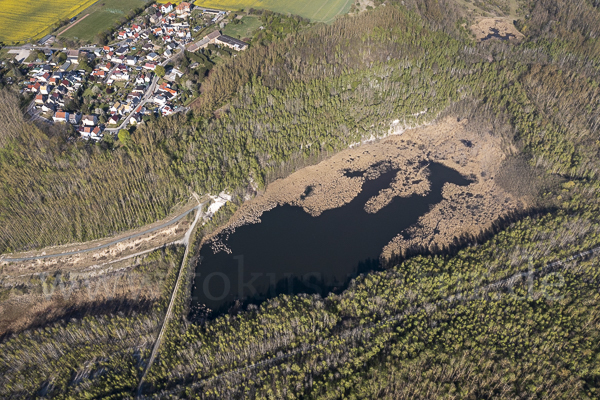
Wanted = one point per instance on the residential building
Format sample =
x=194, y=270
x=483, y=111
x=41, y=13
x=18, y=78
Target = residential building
x=61, y=116
x=160, y=100
x=166, y=110
x=89, y=120
x=166, y=8
x=46, y=89
x=183, y=8
x=40, y=99
x=121, y=51
x=49, y=107
x=74, y=118
x=135, y=118
x=73, y=56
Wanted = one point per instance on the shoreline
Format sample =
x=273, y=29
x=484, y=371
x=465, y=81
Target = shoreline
x=338, y=179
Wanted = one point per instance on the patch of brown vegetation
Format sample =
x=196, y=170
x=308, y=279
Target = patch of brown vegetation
x=463, y=211
x=501, y=26
x=125, y=285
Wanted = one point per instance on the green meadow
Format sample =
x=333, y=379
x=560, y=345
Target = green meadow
x=315, y=10
x=102, y=15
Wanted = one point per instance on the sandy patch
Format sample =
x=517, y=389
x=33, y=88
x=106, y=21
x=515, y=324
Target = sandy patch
x=464, y=210
x=496, y=26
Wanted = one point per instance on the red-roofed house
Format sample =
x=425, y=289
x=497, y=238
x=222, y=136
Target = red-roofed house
x=166, y=8
x=61, y=116
x=45, y=77
x=183, y=8
x=113, y=120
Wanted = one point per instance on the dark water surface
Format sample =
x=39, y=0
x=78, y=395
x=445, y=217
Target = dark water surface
x=293, y=252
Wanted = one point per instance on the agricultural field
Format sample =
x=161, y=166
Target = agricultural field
x=244, y=29
x=25, y=20
x=100, y=16
x=315, y=10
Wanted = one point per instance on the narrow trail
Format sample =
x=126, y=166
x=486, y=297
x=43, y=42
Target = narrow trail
x=358, y=330
x=99, y=247
x=186, y=242
x=72, y=25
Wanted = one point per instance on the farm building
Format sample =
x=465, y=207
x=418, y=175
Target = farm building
x=65, y=66
x=232, y=43
x=47, y=40
x=212, y=11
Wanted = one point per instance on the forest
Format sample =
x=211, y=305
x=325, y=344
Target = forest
x=514, y=315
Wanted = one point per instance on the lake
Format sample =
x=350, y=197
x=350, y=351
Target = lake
x=292, y=252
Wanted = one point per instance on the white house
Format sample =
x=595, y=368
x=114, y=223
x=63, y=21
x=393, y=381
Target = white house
x=89, y=120
x=115, y=108
x=135, y=119
x=131, y=60
x=166, y=8
x=120, y=76
x=46, y=107
x=166, y=110
x=160, y=99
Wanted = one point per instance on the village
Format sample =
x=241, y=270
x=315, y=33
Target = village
x=103, y=89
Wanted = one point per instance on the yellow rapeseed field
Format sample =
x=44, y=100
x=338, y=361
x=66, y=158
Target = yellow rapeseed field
x=23, y=20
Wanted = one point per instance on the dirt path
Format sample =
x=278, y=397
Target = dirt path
x=186, y=242
x=4, y=258
x=72, y=25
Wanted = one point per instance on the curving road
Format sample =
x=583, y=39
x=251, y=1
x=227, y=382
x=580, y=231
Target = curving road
x=69, y=253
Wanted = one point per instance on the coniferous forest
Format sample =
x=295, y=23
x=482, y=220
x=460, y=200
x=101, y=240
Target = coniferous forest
x=515, y=314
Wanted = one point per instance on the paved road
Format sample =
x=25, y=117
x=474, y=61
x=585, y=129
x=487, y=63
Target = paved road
x=36, y=113
x=147, y=96
x=69, y=253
